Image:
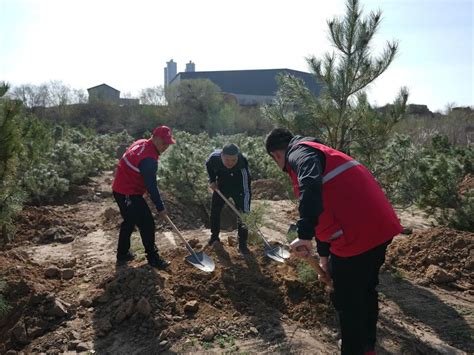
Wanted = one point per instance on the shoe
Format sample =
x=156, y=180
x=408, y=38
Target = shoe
x=213, y=240
x=244, y=250
x=158, y=262
x=123, y=259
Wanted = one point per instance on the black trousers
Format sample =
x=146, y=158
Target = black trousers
x=135, y=212
x=217, y=203
x=355, y=297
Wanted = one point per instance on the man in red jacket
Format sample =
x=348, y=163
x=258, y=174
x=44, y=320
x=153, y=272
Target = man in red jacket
x=343, y=206
x=136, y=174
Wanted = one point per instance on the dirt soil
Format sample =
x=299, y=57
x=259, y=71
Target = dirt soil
x=67, y=295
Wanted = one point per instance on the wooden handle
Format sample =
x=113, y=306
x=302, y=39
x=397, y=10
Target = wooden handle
x=231, y=205
x=315, y=265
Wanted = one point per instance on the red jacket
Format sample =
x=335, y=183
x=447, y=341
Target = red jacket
x=128, y=180
x=357, y=216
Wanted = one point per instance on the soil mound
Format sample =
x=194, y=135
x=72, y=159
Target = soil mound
x=241, y=298
x=269, y=189
x=440, y=256
x=33, y=307
x=46, y=224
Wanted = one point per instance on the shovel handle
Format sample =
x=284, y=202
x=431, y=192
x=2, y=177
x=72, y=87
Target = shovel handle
x=231, y=205
x=315, y=265
x=180, y=235
x=324, y=276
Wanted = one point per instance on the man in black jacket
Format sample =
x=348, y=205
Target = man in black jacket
x=229, y=172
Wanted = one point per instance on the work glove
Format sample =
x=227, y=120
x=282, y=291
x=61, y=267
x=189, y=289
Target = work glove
x=213, y=186
x=302, y=248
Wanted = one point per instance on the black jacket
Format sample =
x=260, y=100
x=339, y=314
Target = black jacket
x=308, y=163
x=235, y=180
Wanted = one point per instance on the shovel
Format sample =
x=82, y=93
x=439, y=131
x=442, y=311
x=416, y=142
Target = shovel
x=199, y=260
x=323, y=275
x=276, y=253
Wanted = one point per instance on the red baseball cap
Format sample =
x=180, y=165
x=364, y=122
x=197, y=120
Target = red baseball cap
x=164, y=132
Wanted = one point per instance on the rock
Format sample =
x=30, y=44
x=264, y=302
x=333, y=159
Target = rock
x=85, y=301
x=64, y=239
x=103, y=327
x=84, y=346
x=170, y=333
x=164, y=344
x=208, y=334
x=72, y=345
x=35, y=331
x=69, y=263
x=67, y=274
x=51, y=234
x=110, y=213
x=124, y=311
x=73, y=335
x=57, y=309
x=438, y=275
x=469, y=265
x=19, y=333
x=52, y=272
x=253, y=330
x=143, y=307
x=191, y=306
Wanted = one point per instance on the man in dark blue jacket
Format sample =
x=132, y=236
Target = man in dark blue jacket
x=228, y=171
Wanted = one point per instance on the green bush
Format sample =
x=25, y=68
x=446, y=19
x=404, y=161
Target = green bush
x=43, y=184
x=182, y=170
x=11, y=148
x=429, y=176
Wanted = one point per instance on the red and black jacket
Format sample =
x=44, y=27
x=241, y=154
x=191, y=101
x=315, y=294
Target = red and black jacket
x=128, y=179
x=340, y=201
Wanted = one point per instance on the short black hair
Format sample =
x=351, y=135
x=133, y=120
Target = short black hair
x=278, y=139
x=230, y=149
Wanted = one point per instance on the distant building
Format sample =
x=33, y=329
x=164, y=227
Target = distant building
x=249, y=87
x=190, y=67
x=103, y=92
x=106, y=93
x=170, y=71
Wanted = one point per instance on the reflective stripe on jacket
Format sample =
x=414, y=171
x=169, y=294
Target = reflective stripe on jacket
x=128, y=180
x=357, y=216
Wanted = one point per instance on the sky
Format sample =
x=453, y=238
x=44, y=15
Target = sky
x=126, y=44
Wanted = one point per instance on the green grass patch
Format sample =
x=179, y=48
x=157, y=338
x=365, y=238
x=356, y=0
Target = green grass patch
x=306, y=273
x=137, y=246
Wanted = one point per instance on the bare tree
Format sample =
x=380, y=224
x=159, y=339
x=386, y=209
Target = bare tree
x=153, y=96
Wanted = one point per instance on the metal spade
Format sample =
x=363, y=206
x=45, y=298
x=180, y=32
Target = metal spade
x=276, y=253
x=199, y=260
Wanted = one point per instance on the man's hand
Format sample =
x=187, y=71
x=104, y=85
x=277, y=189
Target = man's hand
x=213, y=186
x=324, y=263
x=302, y=248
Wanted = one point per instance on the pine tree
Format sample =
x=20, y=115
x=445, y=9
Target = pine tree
x=341, y=115
x=10, y=148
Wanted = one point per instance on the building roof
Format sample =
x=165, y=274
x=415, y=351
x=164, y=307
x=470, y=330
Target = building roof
x=101, y=85
x=249, y=82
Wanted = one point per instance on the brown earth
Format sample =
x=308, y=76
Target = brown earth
x=66, y=294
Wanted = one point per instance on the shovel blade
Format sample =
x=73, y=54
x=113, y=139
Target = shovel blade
x=201, y=261
x=277, y=253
